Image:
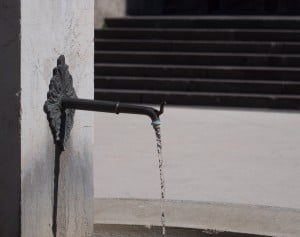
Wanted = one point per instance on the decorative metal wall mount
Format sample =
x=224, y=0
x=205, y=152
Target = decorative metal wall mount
x=62, y=101
x=61, y=86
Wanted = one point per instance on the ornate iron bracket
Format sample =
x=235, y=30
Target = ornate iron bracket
x=61, y=86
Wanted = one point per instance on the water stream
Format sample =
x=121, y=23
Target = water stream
x=162, y=178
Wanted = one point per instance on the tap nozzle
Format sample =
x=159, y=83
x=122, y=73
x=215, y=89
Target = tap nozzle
x=156, y=121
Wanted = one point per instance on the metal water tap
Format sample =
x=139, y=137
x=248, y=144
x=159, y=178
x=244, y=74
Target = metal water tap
x=62, y=102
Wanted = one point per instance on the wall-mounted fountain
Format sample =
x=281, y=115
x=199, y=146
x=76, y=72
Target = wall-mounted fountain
x=62, y=102
x=34, y=202
x=60, y=108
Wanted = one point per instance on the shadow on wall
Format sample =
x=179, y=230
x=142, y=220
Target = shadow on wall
x=196, y=7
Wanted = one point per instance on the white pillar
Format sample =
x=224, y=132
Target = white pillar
x=34, y=34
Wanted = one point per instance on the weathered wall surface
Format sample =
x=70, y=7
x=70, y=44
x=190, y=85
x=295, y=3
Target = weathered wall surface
x=108, y=8
x=9, y=117
x=50, y=28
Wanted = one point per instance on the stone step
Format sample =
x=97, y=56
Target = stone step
x=196, y=22
x=200, y=34
x=198, y=85
x=177, y=58
x=201, y=98
x=198, y=46
x=244, y=61
x=224, y=72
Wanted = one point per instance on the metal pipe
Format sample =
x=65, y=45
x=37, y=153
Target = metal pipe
x=113, y=107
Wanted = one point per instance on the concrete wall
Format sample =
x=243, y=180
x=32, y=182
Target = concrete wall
x=108, y=8
x=211, y=155
x=32, y=45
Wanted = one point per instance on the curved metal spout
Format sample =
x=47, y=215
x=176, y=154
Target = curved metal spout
x=113, y=107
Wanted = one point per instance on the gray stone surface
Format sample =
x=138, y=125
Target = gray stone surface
x=155, y=231
x=225, y=156
x=132, y=216
x=106, y=230
x=34, y=34
x=108, y=8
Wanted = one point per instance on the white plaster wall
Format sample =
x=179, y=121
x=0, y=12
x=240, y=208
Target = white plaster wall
x=50, y=28
x=108, y=8
x=211, y=155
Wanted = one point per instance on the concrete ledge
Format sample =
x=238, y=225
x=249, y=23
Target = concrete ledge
x=106, y=230
x=245, y=219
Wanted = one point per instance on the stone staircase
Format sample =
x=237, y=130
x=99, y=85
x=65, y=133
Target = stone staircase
x=235, y=61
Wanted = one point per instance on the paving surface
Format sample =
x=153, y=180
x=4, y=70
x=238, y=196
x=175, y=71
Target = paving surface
x=224, y=156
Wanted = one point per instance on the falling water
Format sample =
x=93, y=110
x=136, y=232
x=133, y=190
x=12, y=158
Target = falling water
x=162, y=178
